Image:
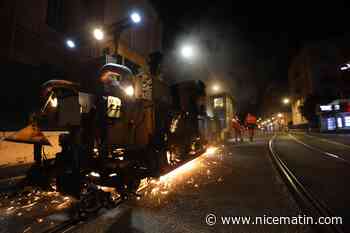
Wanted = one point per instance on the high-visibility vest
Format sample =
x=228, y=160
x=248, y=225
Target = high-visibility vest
x=251, y=119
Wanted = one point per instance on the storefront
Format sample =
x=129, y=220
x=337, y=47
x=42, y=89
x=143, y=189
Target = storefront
x=335, y=116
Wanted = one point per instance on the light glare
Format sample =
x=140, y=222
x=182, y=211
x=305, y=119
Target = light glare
x=135, y=17
x=98, y=34
x=286, y=101
x=216, y=88
x=129, y=90
x=70, y=44
x=187, y=51
x=54, y=102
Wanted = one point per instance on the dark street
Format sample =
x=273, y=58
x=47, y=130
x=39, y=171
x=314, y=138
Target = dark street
x=153, y=116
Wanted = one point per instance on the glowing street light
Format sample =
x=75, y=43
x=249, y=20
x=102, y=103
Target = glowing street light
x=54, y=102
x=286, y=100
x=135, y=17
x=187, y=51
x=216, y=87
x=70, y=43
x=98, y=34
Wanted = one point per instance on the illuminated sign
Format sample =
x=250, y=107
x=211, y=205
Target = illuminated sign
x=113, y=107
x=219, y=102
x=326, y=108
x=345, y=67
x=339, y=122
x=336, y=107
x=347, y=121
x=331, y=124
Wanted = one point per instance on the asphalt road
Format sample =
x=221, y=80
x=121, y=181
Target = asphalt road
x=240, y=181
x=322, y=166
x=235, y=181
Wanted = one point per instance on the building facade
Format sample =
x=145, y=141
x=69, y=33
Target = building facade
x=316, y=70
x=222, y=107
x=33, y=45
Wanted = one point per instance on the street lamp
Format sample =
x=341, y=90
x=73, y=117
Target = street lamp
x=70, y=43
x=135, y=17
x=216, y=87
x=187, y=52
x=286, y=100
x=98, y=34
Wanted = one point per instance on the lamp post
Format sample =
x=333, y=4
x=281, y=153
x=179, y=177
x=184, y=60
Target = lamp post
x=115, y=29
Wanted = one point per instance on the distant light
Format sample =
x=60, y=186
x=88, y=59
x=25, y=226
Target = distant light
x=129, y=90
x=345, y=67
x=98, y=34
x=211, y=150
x=286, y=100
x=95, y=174
x=216, y=87
x=280, y=115
x=135, y=17
x=326, y=107
x=187, y=51
x=70, y=44
x=54, y=102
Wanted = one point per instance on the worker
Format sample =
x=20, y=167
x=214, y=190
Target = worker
x=237, y=128
x=250, y=122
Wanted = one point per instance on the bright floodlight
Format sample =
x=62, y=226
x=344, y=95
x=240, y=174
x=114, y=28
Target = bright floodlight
x=54, y=102
x=216, y=87
x=286, y=101
x=135, y=17
x=129, y=90
x=187, y=51
x=98, y=34
x=70, y=44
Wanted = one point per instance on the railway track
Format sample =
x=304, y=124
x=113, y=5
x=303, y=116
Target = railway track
x=71, y=224
x=325, y=153
x=310, y=205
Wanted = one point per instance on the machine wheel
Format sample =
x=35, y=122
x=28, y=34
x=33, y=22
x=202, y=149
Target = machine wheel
x=126, y=187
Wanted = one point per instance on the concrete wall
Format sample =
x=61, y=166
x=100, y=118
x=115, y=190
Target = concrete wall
x=12, y=153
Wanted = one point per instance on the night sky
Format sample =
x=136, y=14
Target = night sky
x=270, y=33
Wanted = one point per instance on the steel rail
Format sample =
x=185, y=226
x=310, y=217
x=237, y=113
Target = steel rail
x=70, y=224
x=332, y=155
x=310, y=205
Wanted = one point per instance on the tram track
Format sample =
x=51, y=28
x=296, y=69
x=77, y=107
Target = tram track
x=71, y=224
x=321, y=151
x=310, y=205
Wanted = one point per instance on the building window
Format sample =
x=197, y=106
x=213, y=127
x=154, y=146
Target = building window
x=347, y=121
x=331, y=123
x=54, y=14
x=218, y=102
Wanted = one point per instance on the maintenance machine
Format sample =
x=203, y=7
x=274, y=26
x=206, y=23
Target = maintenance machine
x=119, y=130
